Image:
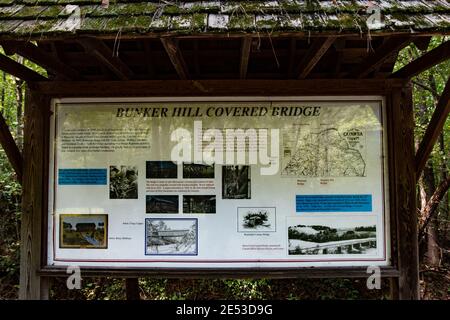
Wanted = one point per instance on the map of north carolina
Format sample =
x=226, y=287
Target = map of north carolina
x=325, y=154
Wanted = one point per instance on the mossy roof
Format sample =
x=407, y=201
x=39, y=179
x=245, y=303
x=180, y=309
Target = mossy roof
x=25, y=18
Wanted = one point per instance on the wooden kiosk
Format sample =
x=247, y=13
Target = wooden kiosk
x=121, y=49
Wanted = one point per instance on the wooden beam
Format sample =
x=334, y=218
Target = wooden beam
x=224, y=273
x=142, y=88
x=175, y=56
x=105, y=56
x=403, y=190
x=434, y=129
x=292, y=52
x=245, y=55
x=41, y=57
x=35, y=196
x=312, y=57
x=339, y=46
x=426, y=61
x=389, y=48
x=11, y=149
x=422, y=43
x=196, y=59
x=148, y=58
x=18, y=70
x=132, y=288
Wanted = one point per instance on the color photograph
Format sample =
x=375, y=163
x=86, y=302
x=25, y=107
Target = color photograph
x=81, y=231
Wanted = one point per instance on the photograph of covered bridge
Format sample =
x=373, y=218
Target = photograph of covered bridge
x=315, y=239
x=166, y=236
x=161, y=204
x=83, y=231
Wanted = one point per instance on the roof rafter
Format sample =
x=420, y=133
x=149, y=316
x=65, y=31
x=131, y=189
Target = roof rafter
x=312, y=57
x=422, y=42
x=148, y=57
x=389, y=48
x=426, y=61
x=434, y=129
x=18, y=70
x=176, y=57
x=42, y=58
x=245, y=55
x=105, y=55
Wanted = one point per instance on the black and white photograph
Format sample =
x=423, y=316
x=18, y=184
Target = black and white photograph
x=161, y=204
x=199, y=204
x=83, y=231
x=161, y=170
x=123, y=182
x=177, y=236
x=198, y=171
x=256, y=219
x=333, y=235
x=236, y=182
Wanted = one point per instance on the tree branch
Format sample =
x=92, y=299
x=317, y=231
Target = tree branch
x=429, y=210
x=427, y=88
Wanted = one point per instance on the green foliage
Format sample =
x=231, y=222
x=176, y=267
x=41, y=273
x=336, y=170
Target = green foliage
x=10, y=197
x=428, y=87
x=224, y=289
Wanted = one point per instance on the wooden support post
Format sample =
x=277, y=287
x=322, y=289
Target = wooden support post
x=402, y=171
x=11, y=149
x=34, y=199
x=393, y=290
x=132, y=288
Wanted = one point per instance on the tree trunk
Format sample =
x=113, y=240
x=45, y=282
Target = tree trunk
x=431, y=257
x=2, y=92
x=445, y=201
x=428, y=213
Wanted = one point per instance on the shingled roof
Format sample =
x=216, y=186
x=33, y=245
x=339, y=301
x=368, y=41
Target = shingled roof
x=43, y=18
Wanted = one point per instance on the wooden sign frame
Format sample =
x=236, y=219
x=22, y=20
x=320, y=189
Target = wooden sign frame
x=400, y=138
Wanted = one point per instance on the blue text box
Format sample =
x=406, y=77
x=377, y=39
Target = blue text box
x=334, y=203
x=82, y=176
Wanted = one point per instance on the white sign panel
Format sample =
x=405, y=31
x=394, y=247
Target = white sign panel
x=228, y=182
